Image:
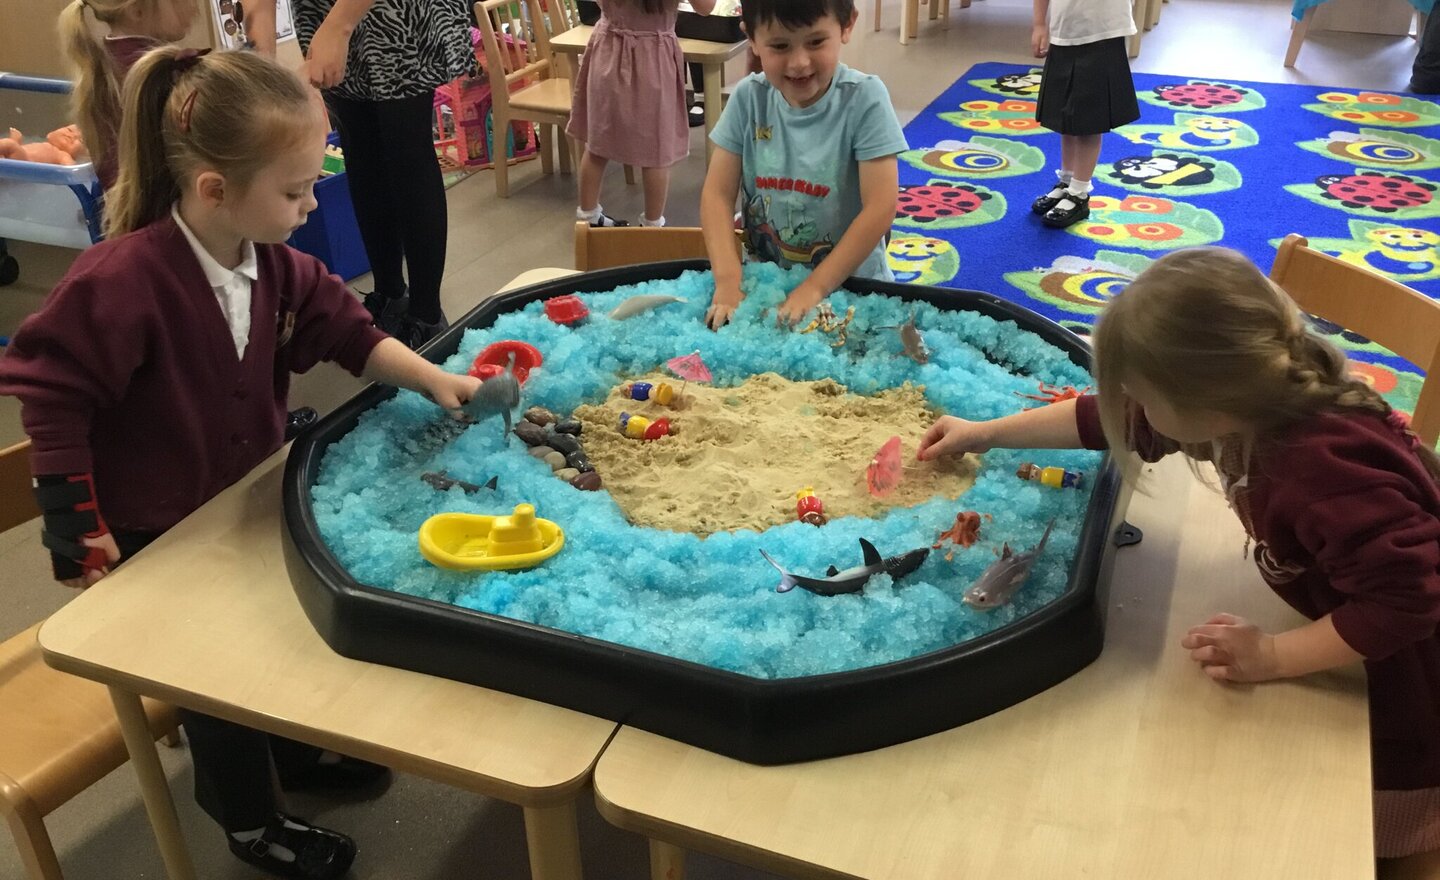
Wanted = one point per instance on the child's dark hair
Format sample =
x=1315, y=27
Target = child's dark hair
x=231, y=112
x=794, y=14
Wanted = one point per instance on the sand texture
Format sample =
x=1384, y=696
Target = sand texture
x=742, y=453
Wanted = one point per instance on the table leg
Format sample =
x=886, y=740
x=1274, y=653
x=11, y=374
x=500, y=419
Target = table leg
x=909, y=21
x=154, y=788
x=667, y=861
x=554, y=841
x=714, y=85
x=1298, y=30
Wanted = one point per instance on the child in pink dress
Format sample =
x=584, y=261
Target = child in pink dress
x=629, y=102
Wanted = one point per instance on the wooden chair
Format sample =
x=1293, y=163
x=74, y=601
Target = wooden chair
x=1300, y=29
x=1385, y=311
x=608, y=247
x=60, y=732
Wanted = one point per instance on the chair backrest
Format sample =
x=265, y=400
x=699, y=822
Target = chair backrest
x=17, y=501
x=515, y=49
x=597, y=248
x=1382, y=310
x=562, y=14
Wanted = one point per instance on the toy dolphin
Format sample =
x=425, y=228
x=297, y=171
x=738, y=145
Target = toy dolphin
x=636, y=305
x=998, y=583
x=851, y=580
x=500, y=393
x=912, y=340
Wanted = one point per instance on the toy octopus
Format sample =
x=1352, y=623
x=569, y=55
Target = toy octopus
x=964, y=533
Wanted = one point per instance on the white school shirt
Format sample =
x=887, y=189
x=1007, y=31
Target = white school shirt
x=231, y=286
x=1076, y=22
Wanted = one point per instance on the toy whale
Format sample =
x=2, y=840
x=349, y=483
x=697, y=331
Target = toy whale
x=851, y=580
x=636, y=305
x=499, y=393
x=998, y=583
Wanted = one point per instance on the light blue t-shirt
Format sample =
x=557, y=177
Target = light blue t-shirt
x=800, y=171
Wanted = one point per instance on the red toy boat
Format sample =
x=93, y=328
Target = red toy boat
x=565, y=309
x=492, y=361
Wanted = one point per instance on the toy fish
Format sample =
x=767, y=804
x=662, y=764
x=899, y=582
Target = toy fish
x=500, y=393
x=636, y=305
x=911, y=339
x=998, y=583
x=443, y=481
x=851, y=580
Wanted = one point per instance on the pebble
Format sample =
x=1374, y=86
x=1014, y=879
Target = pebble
x=567, y=426
x=540, y=451
x=567, y=474
x=589, y=481
x=563, y=442
x=579, y=462
x=531, y=433
x=555, y=460
x=540, y=415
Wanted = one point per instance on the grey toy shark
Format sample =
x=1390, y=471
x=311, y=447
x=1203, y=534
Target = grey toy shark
x=500, y=393
x=998, y=583
x=851, y=580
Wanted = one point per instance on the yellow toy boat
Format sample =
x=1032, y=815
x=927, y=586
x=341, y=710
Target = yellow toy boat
x=467, y=541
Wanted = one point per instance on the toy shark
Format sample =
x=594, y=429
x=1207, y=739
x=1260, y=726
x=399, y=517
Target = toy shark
x=851, y=580
x=636, y=305
x=500, y=393
x=998, y=583
x=443, y=481
x=912, y=340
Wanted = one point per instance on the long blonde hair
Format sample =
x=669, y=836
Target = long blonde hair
x=232, y=112
x=95, y=100
x=1209, y=332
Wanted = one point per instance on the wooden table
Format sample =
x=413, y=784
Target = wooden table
x=709, y=55
x=1137, y=767
x=206, y=619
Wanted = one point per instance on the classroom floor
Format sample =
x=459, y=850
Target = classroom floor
x=420, y=830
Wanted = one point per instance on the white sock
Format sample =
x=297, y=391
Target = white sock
x=588, y=216
x=1079, y=187
x=1064, y=175
x=646, y=221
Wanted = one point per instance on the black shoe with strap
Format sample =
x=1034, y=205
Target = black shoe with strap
x=293, y=848
x=299, y=421
x=1069, y=210
x=1043, y=204
x=415, y=332
x=387, y=311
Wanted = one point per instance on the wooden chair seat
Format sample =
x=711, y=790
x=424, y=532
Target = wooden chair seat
x=548, y=96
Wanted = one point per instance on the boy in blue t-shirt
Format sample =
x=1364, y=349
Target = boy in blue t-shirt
x=809, y=146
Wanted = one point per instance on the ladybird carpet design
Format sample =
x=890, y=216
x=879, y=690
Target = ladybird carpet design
x=1209, y=162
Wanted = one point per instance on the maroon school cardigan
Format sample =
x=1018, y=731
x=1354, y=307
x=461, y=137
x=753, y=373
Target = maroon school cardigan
x=129, y=371
x=1346, y=522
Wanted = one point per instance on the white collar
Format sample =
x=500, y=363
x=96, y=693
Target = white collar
x=216, y=274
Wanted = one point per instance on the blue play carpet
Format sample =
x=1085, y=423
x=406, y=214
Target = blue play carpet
x=1209, y=162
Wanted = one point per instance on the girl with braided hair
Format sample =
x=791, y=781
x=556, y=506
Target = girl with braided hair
x=1204, y=356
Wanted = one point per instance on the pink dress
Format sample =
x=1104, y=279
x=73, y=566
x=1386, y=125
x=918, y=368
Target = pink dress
x=629, y=104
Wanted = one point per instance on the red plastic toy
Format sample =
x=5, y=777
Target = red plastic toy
x=492, y=361
x=565, y=309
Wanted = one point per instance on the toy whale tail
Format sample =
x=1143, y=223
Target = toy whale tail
x=787, y=580
x=871, y=555
x=493, y=484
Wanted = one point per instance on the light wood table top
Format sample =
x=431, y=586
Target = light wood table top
x=1137, y=767
x=574, y=41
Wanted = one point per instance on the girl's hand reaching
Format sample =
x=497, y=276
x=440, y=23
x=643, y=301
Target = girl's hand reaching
x=1230, y=648
x=105, y=542
x=952, y=436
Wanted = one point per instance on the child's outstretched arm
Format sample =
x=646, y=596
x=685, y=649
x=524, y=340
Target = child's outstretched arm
x=1230, y=648
x=717, y=219
x=1049, y=427
x=879, y=191
x=392, y=363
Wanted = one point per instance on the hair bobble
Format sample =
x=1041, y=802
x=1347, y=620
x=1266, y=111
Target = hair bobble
x=1398, y=421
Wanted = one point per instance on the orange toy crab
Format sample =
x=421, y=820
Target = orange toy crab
x=1054, y=393
x=964, y=533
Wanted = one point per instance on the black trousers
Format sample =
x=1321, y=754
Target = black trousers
x=233, y=778
x=399, y=194
x=1425, y=75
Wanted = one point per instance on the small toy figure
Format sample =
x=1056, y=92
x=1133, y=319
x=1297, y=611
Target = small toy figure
x=565, y=310
x=641, y=428
x=663, y=394
x=851, y=580
x=637, y=305
x=964, y=533
x=808, y=508
x=911, y=340
x=998, y=583
x=1054, y=477
x=1054, y=394
x=826, y=322
x=61, y=147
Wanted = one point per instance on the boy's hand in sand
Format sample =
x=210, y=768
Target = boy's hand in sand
x=723, y=306
x=800, y=301
x=952, y=436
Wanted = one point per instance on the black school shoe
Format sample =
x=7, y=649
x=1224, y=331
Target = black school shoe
x=1043, y=204
x=1059, y=216
x=415, y=332
x=387, y=312
x=299, y=421
x=303, y=853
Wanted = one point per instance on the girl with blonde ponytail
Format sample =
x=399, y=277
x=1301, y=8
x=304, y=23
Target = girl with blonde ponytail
x=1203, y=355
x=156, y=374
x=98, y=67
